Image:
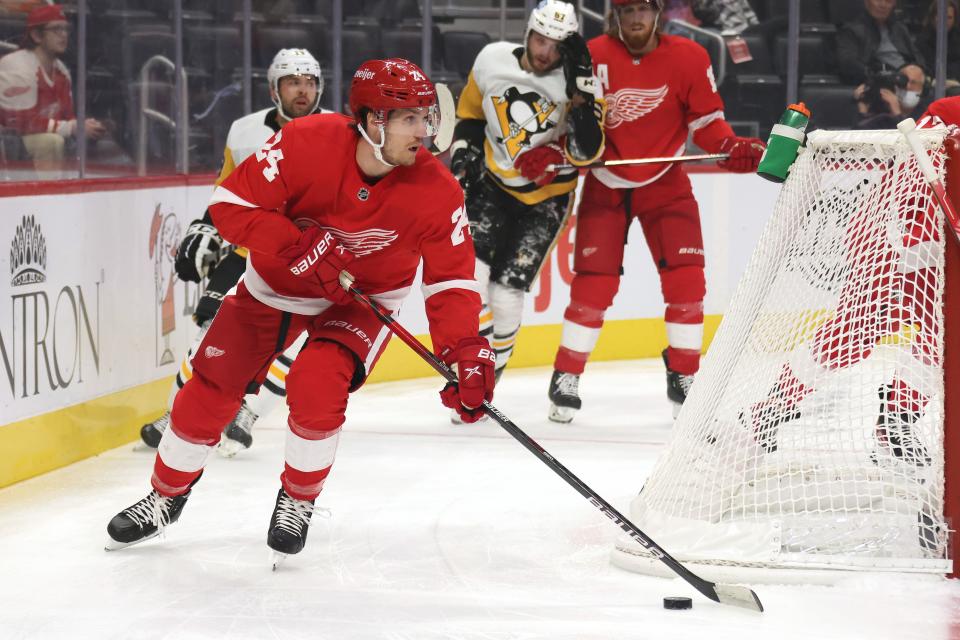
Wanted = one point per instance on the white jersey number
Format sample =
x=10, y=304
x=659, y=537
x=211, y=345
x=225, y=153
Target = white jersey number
x=460, y=223
x=272, y=156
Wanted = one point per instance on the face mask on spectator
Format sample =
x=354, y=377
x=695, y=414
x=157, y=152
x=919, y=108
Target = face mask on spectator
x=908, y=99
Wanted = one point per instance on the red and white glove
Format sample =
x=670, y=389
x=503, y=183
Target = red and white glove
x=474, y=361
x=317, y=254
x=533, y=164
x=745, y=154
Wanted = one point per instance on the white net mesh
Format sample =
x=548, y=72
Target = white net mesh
x=813, y=436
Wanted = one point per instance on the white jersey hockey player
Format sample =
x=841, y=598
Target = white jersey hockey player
x=296, y=84
x=524, y=108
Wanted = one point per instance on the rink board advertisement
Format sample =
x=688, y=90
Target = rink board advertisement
x=94, y=322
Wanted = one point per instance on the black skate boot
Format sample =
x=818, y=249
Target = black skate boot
x=144, y=520
x=678, y=386
x=564, y=396
x=151, y=432
x=239, y=433
x=896, y=438
x=288, y=526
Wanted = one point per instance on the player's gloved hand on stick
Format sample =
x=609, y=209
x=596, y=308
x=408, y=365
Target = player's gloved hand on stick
x=532, y=164
x=318, y=254
x=466, y=163
x=198, y=251
x=745, y=154
x=577, y=67
x=474, y=362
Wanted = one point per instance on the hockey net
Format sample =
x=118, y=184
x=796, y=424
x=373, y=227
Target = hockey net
x=813, y=437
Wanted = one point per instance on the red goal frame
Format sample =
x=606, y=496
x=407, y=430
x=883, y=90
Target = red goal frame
x=951, y=361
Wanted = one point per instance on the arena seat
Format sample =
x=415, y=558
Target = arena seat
x=831, y=106
x=460, y=49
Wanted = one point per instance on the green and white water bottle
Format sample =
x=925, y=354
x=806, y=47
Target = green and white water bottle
x=784, y=143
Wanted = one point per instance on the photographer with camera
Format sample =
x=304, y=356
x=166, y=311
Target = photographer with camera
x=889, y=96
x=875, y=38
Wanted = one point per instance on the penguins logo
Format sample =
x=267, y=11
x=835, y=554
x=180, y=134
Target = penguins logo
x=522, y=116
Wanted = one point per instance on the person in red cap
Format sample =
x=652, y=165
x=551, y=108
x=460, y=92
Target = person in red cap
x=659, y=91
x=325, y=194
x=35, y=90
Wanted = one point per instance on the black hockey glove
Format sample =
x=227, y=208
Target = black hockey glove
x=466, y=163
x=199, y=250
x=578, y=67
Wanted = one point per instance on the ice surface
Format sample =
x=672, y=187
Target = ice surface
x=437, y=532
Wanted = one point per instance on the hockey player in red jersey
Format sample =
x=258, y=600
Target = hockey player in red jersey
x=659, y=89
x=325, y=194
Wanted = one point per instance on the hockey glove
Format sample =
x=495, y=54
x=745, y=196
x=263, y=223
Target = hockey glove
x=198, y=252
x=466, y=163
x=578, y=67
x=474, y=362
x=533, y=163
x=317, y=254
x=745, y=154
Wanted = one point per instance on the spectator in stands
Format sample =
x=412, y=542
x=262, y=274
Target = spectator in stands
x=726, y=16
x=680, y=10
x=927, y=40
x=887, y=98
x=876, y=39
x=35, y=90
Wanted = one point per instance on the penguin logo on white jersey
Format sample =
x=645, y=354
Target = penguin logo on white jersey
x=522, y=116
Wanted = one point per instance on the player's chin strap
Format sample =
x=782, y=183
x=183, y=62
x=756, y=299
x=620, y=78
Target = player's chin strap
x=377, y=148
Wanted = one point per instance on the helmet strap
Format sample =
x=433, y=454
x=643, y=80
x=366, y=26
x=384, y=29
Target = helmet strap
x=377, y=148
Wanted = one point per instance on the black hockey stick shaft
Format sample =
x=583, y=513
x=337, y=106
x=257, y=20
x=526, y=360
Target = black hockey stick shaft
x=726, y=594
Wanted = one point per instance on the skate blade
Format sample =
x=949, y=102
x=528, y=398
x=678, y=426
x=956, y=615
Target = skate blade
x=229, y=448
x=676, y=406
x=277, y=559
x=885, y=460
x=563, y=415
x=143, y=446
x=114, y=545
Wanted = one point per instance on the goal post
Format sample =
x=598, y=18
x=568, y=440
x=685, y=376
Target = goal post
x=813, y=441
x=951, y=358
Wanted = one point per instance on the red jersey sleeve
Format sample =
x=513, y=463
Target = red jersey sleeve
x=247, y=207
x=704, y=106
x=450, y=289
x=947, y=109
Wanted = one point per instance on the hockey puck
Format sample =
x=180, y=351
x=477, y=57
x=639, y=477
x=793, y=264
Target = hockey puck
x=677, y=603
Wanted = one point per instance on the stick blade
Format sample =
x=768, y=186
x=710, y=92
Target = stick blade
x=738, y=596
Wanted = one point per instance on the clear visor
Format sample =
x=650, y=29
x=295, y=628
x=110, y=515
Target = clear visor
x=423, y=122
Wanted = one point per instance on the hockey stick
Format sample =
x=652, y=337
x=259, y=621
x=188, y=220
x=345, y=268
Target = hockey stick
x=635, y=161
x=723, y=593
x=448, y=120
x=908, y=128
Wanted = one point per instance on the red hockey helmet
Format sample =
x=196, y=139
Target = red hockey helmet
x=384, y=85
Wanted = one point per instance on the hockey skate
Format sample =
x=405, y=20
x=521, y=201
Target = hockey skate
x=678, y=386
x=564, y=396
x=144, y=520
x=897, y=442
x=239, y=433
x=288, y=526
x=151, y=432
